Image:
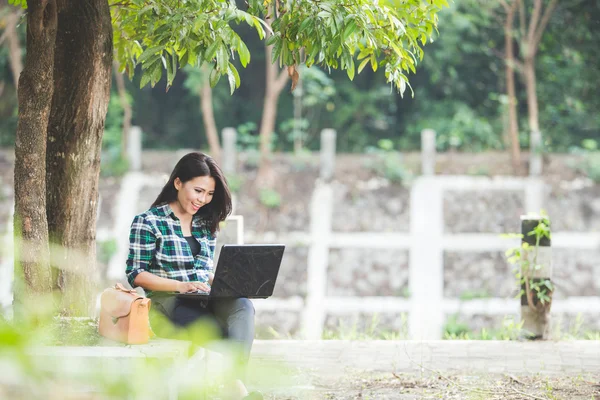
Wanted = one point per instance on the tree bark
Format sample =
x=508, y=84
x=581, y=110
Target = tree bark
x=82, y=76
x=208, y=116
x=127, y=112
x=36, y=86
x=274, y=84
x=513, y=126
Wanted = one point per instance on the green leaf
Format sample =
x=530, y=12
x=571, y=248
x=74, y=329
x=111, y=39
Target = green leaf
x=349, y=30
x=244, y=53
x=271, y=40
x=171, y=69
x=222, y=57
x=151, y=51
x=362, y=65
x=236, y=75
x=146, y=76
x=276, y=51
x=183, y=60
x=304, y=25
x=373, y=62
x=214, y=77
x=156, y=72
x=233, y=77
x=350, y=70
x=211, y=51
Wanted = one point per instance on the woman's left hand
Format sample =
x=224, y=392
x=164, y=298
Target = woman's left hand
x=202, y=286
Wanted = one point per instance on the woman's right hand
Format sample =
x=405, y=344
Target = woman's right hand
x=184, y=287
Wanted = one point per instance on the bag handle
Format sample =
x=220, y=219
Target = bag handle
x=121, y=288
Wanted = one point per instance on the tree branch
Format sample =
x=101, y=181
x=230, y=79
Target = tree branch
x=522, y=16
x=533, y=22
x=281, y=80
x=542, y=27
x=518, y=65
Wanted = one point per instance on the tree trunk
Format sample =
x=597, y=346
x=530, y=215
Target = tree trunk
x=298, y=139
x=530, y=42
x=36, y=85
x=513, y=126
x=532, y=101
x=82, y=75
x=14, y=47
x=208, y=116
x=274, y=84
x=127, y=112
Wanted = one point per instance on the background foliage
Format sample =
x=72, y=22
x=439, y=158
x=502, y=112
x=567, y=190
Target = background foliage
x=459, y=92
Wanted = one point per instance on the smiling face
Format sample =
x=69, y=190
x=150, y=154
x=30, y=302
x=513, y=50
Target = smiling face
x=192, y=195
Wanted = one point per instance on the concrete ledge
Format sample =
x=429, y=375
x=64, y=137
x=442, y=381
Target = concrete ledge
x=450, y=356
x=156, y=348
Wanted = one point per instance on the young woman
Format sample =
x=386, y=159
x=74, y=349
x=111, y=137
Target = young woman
x=171, y=249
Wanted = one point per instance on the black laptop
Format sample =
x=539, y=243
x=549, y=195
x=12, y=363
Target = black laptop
x=244, y=270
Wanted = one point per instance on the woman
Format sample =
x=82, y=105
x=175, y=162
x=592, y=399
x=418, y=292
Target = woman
x=171, y=249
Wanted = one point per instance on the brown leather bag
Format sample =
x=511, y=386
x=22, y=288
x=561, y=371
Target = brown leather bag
x=124, y=316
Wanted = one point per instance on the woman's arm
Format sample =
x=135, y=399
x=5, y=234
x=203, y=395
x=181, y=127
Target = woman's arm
x=153, y=282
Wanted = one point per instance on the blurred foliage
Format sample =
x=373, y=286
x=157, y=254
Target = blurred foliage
x=458, y=330
x=459, y=92
x=112, y=162
x=235, y=182
x=355, y=330
x=105, y=250
x=589, y=163
x=270, y=198
x=511, y=329
x=388, y=163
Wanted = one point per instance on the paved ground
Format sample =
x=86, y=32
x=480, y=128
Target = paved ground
x=422, y=370
x=334, y=370
x=481, y=356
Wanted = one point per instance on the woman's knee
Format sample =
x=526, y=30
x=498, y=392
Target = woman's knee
x=243, y=306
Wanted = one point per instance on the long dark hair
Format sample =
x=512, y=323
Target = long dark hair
x=189, y=167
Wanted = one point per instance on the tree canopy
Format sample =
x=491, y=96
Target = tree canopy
x=165, y=35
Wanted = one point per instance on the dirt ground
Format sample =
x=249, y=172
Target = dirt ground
x=433, y=385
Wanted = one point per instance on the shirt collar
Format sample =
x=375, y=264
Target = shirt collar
x=168, y=211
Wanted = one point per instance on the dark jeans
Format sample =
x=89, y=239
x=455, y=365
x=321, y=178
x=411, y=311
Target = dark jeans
x=203, y=320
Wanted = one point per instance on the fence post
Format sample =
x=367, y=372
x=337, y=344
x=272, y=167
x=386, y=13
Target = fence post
x=536, y=273
x=328, y=138
x=321, y=210
x=426, y=277
x=535, y=156
x=229, y=150
x=428, y=152
x=134, y=148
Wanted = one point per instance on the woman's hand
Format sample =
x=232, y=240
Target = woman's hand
x=184, y=287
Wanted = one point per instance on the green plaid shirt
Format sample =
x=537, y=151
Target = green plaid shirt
x=157, y=245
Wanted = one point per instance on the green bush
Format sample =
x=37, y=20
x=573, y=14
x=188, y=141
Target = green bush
x=388, y=163
x=105, y=250
x=235, y=183
x=458, y=330
x=591, y=166
x=112, y=162
x=270, y=198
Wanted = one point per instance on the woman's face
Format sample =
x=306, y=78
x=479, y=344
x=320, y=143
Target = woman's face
x=193, y=194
